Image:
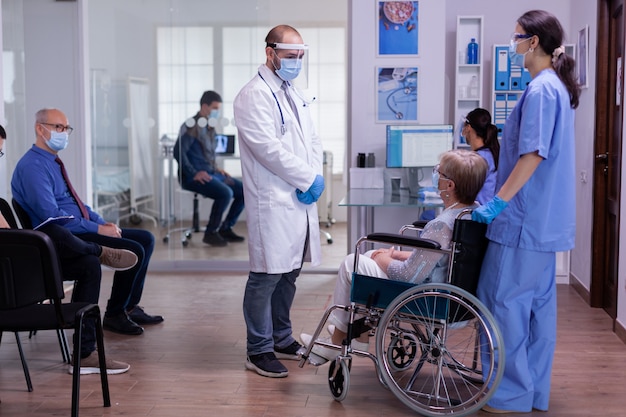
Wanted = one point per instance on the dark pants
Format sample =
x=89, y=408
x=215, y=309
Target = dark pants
x=127, y=285
x=79, y=261
x=222, y=191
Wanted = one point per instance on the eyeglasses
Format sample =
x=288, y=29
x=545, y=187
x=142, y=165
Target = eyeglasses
x=444, y=176
x=518, y=36
x=60, y=128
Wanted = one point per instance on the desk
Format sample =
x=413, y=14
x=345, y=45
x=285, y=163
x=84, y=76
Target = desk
x=367, y=199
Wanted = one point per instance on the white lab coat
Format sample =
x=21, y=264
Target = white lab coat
x=273, y=167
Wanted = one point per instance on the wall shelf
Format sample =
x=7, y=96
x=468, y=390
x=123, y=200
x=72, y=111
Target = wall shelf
x=467, y=27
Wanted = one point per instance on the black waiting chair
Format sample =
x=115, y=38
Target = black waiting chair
x=7, y=212
x=22, y=215
x=31, y=289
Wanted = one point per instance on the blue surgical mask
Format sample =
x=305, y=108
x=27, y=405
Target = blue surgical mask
x=516, y=58
x=58, y=140
x=289, y=68
x=214, y=114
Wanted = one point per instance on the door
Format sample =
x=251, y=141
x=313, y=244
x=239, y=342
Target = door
x=608, y=151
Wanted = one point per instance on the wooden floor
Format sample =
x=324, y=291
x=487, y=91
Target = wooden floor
x=193, y=364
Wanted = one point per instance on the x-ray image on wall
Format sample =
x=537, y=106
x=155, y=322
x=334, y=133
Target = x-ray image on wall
x=396, y=95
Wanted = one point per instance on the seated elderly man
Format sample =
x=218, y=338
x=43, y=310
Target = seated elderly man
x=459, y=177
x=41, y=186
x=80, y=261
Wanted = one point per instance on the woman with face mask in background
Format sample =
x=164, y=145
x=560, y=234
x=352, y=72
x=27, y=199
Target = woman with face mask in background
x=458, y=177
x=533, y=214
x=482, y=136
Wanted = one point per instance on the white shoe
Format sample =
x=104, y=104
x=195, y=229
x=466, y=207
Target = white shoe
x=330, y=329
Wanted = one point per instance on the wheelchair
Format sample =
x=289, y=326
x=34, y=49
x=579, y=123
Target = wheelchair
x=438, y=348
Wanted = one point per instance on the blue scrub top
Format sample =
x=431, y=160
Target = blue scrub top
x=542, y=215
x=488, y=191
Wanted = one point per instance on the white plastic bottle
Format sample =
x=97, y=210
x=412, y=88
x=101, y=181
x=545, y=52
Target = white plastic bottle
x=473, y=87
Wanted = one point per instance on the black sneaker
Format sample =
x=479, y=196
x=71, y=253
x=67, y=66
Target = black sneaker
x=266, y=364
x=214, y=239
x=292, y=352
x=230, y=236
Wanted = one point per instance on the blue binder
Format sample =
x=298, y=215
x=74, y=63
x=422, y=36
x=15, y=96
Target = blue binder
x=526, y=78
x=502, y=68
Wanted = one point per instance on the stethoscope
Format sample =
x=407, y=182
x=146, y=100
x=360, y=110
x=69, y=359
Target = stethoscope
x=305, y=103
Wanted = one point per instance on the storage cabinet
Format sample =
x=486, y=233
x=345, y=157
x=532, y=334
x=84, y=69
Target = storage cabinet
x=508, y=83
x=467, y=93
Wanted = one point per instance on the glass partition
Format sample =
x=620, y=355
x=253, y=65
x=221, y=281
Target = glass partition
x=149, y=64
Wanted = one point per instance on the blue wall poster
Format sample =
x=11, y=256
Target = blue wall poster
x=396, y=94
x=397, y=27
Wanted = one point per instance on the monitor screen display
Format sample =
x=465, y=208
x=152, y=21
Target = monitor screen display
x=224, y=144
x=410, y=146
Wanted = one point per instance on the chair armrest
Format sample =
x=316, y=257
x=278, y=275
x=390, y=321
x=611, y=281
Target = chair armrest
x=401, y=240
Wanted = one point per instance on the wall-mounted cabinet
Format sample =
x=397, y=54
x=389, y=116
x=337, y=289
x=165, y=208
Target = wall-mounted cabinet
x=468, y=72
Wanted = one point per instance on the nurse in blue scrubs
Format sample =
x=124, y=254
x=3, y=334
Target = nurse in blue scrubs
x=532, y=215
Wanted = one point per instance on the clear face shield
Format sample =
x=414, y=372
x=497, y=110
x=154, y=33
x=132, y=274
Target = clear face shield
x=291, y=63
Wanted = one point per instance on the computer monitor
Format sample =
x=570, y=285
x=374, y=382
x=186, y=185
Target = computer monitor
x=413, y=146
x=225, y=144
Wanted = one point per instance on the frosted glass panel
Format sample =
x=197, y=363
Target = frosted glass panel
x=169, y=41
x=199, y=45
x=235, y=77
x=333, y=86
x=199, y=79
x=171, y=84
x=332, y=42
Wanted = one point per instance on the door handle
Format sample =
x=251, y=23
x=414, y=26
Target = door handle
x=602, y=157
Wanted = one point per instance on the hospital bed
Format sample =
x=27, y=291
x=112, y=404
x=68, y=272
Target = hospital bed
x=438, y=348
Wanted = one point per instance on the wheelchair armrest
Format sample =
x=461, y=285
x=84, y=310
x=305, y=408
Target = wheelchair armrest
x=403, y=240
x=420, y=224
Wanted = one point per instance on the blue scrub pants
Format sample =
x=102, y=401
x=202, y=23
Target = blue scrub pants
x=518, y=286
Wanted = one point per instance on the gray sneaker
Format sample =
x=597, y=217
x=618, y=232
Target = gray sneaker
x=91, y=365
x=117, y=259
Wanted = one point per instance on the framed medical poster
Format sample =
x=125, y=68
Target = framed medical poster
x=397, y=27
x=396, y=94
x=582, y=60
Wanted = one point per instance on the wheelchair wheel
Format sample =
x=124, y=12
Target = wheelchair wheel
x=402, y=350
x=459, y=346
x=339, y=378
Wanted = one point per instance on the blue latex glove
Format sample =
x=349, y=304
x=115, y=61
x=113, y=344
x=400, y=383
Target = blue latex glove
x=487, y=212
x=317, y=188
x=305, y=198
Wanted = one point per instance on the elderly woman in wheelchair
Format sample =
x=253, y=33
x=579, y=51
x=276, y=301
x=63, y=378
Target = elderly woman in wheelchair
x=430, y=330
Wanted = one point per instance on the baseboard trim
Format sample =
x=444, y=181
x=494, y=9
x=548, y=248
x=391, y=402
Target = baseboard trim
x=580, y=288
x=620, y=331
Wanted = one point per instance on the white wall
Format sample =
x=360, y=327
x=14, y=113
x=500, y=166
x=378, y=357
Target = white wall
x=53, y=78
x=433, y=91
x=585, y=13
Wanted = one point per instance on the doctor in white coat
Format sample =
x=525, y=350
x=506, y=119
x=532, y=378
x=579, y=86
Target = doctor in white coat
x=281, y=157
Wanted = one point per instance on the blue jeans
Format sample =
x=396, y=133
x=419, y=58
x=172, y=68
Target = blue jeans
x=266, y=305
x=127, y=285
x=222, y=190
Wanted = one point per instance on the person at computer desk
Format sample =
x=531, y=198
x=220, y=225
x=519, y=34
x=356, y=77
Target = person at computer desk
x=198, y=172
